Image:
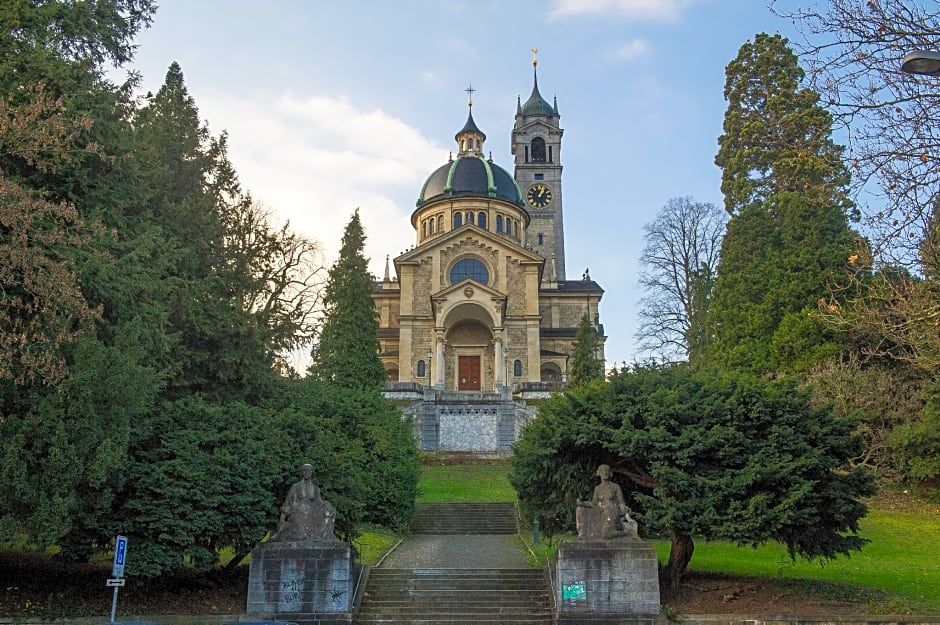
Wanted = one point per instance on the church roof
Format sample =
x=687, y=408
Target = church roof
x=579, y=286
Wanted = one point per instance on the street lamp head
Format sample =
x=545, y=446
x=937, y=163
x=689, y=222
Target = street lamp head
x=923, y=62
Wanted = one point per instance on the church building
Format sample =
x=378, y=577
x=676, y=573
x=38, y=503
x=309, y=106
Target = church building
x=480, y=314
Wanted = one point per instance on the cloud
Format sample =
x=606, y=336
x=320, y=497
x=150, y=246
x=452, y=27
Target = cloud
x=630, y=50
x=314, y=160
x=628, y=9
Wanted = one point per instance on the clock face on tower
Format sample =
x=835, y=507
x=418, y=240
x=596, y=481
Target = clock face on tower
x=539, y=196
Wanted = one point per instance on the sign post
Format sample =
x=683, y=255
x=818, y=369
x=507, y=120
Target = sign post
x=117, y=571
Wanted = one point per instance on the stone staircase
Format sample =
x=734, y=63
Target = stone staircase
x=464, y=518
x=457, y=596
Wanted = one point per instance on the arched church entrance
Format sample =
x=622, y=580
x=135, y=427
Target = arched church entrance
x=550, y=372
x=469, y=353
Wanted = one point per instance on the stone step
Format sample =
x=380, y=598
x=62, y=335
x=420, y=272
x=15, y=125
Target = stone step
x=456, y=619
x=400, y=589
x=464, y=518
x=469, y=574
x=451, y=608
x=508, y=596
x=461, y=596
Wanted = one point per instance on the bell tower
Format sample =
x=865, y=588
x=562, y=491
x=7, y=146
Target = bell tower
x=536, y=146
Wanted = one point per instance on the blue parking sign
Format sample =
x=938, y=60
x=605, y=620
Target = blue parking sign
x=120, y=553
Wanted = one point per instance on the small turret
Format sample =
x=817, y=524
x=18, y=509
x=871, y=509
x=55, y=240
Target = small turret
x=470, y=138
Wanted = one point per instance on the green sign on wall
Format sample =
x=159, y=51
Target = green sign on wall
x=573, y=592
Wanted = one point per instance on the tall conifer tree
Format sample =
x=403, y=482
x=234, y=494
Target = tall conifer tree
x=585, y=366
x=347, y=353
x=785, y=186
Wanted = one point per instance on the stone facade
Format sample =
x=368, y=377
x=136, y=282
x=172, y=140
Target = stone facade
x=481, y=303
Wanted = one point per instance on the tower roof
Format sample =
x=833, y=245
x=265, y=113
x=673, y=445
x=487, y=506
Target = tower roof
x=536, y=104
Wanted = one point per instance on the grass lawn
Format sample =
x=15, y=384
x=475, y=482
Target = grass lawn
x=900, y=559
x=482, y=482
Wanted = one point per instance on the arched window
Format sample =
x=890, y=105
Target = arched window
x=458, y=220
x=440, y=223
x=422, y=369
x=469, y=268
x=469, y=217
x=481, y=220
x=517, y=368
x=499, y=223
x=424, y=229
x=431, y=226
x=515, y=227
x=508, y=225
x=538, y=150
x=541, y=239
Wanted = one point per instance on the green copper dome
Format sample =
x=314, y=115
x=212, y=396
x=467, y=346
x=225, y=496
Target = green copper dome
x=470, y=176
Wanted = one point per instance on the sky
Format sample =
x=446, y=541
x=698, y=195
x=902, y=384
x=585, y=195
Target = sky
x=335, y=105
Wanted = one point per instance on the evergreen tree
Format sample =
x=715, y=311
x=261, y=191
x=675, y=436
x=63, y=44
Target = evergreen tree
x=66, y=398
x=347, y=352
x=347, y=377
x=788, y=238
x=585, y=365
x=700, y=455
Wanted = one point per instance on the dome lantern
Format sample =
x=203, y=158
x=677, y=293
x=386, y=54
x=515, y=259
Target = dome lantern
x=470, y=173
x=470, y=138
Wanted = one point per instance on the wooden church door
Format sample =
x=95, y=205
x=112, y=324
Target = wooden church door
x=468, y=373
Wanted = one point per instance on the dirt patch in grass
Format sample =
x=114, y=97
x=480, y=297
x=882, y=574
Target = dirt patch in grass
x=713, y=593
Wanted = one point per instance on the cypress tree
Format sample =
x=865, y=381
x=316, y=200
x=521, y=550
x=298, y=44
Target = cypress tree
x=585, y=366
x=347, y=352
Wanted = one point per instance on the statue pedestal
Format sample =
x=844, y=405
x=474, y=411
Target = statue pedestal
x=617, y=577
x=303, y=582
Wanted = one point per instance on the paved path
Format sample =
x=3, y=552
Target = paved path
x=432, y=551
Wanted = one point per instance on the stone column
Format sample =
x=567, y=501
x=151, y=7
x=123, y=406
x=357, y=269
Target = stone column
x=498, y=357
x=439, y=365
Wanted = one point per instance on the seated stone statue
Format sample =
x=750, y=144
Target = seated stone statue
x=305, y=515
x=606, y=515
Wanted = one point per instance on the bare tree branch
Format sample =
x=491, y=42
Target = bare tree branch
x=681, y=253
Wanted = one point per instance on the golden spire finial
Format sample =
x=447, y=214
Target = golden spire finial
x=534, y=52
